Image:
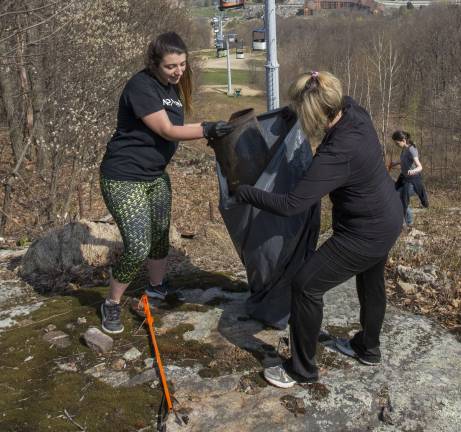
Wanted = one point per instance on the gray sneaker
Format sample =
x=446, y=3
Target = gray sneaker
x=163, y=291
x=157, y=291
x=344, y=346
x=111, y=322
x=277, y=376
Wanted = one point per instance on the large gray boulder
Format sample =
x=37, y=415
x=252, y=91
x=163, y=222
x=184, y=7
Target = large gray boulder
x=72, y=251
x=76, y=252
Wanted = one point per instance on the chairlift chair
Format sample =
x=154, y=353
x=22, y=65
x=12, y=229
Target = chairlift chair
x=232, y=37
x=240, y=51
x=259, y=39
x=231, y=4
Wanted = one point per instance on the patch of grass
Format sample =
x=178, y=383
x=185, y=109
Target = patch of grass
x=252, y=383
x=101, y=407
x=258, y=379
x=175, y=349
x=209, y=372
x=35, y=393
x=318, y=391
x=210, y=105
x=219, y=77
x=330, y=360
x=210, y=54
x=204, y=11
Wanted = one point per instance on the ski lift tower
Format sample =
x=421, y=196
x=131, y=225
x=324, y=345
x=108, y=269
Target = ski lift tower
x=230, y=37
x=272, y=66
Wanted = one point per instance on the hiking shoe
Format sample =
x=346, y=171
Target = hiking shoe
x=284, y=376
x=157, y=291
x=110, y=314
x=278, y=376
x=344, y=346
x=177, y=295
x=163, y=291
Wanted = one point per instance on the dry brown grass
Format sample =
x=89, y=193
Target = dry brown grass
x=441, y=248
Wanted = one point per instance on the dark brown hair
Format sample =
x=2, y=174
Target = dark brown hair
x=171, y=43
x=400, y=135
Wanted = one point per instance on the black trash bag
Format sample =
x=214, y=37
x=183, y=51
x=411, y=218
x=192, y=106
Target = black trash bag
x=236, y=152
x=272, y=248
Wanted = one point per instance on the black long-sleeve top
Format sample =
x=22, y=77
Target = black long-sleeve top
x=348, y=165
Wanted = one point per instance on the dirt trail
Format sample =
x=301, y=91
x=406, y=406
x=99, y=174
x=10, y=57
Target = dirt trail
x=252, y=61
x=244, y=89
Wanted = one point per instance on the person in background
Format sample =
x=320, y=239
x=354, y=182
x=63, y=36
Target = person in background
x=134, y=184
x=410, y=181
x=367, y=220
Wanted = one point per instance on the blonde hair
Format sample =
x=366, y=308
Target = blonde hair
x=317, y=99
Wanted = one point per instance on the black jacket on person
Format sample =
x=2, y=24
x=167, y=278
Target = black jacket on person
x=403, y=183
x=348, y=165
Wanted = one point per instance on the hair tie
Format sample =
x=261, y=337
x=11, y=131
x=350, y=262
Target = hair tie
x=313, y=82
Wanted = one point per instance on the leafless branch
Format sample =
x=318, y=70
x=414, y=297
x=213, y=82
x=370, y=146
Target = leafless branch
x=25, y=29
x=19, y=12
x=73, y=421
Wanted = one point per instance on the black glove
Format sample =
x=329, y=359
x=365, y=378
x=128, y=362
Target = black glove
x=219, y=129
x=288, y=114
x=240, y=193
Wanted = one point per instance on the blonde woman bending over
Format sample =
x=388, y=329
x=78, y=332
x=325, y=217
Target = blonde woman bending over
x=367, y=219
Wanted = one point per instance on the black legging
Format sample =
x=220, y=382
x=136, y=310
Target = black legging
x=331, y=265
x=141, y=211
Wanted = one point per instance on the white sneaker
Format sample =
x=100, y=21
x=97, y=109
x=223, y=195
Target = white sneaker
x=278, y=377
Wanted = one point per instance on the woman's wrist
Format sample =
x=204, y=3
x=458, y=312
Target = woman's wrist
x=414, y=171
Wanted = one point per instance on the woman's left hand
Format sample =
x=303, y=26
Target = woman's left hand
x=240, y=192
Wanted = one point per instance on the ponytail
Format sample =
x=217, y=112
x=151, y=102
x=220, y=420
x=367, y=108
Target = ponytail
x=317, y=98
x=401, y=135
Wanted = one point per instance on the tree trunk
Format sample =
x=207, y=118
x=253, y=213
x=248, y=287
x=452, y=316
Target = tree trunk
x=8, y=84
x=7, y=199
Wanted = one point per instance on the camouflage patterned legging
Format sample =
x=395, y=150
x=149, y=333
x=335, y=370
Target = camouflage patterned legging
x=141, y=211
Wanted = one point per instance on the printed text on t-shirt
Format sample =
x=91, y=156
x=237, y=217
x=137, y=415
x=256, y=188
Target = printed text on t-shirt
x=170, y=102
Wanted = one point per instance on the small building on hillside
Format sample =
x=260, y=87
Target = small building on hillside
x=370, y=6
x=312, y=7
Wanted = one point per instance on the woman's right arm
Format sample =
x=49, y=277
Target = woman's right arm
x=418, y=167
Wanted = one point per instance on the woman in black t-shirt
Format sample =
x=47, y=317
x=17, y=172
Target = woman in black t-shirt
x=134, y=184
x=367, y=219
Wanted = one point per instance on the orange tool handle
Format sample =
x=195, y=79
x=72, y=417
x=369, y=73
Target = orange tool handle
x=150, y=324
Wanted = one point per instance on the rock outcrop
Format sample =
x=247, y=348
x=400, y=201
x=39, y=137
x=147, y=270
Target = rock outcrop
x=75, y=252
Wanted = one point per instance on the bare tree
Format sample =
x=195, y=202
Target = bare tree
x=384, y=60
x=62, y=66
